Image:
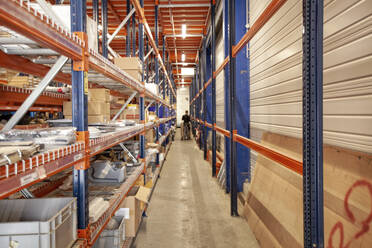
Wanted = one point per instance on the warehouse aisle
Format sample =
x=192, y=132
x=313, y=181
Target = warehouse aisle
x=189, y=209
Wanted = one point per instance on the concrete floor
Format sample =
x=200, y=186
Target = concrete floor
x=189, y=209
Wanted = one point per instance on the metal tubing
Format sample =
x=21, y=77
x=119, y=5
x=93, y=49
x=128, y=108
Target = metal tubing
x=213, y=41
x=124, y=106
x=121, y=25
x=134, y=35
x=205, y=130
x=104, y=28
x=312, y=76
x=148, y=54
x=96, y=17
x=16, y=41
x=22, y=110
x=127, y=50
x=232, y=111
x=30, y=51
x=142, y=99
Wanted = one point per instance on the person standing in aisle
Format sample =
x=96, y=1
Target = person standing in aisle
x=186, y=126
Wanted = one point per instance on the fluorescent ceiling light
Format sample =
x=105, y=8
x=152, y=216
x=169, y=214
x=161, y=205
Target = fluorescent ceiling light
x=183, y=57
x=183, y=80
x=187, y=71
x=184, y=31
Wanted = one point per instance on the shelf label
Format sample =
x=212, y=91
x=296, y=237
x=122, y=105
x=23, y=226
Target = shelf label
x=86, y=83
x=96, y=149
x=78, y=157
x=42, y=172
x=29, y=178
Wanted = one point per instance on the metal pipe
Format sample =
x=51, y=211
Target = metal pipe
x=104, y=28
x=30, y=51
x=213, y=68
x=232, y=110
x=121, y=25
x=134, y=35
x=16, y=41
x=124, y=106
x=35, y=94
x=127, y=50
x=149, y=53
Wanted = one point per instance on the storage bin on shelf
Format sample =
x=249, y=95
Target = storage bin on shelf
x=42, y=223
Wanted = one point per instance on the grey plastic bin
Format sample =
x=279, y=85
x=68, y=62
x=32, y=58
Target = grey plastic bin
x=38, y=223
x=112, y=238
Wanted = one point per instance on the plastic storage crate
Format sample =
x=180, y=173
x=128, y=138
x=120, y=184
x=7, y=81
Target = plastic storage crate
x=42, y=223
x=112, y=238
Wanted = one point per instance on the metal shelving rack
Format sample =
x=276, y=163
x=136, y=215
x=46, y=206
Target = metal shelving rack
x=312, y=166
x=48, y=40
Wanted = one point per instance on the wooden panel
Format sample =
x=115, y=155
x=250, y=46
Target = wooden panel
x=275, y=196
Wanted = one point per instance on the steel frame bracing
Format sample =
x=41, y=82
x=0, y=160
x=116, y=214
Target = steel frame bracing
x=312, y=166
x=16, y=15
x=312, y=77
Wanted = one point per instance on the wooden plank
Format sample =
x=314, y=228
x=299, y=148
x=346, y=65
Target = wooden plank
x=275, y=196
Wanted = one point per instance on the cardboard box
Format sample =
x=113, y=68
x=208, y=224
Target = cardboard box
x=99, y=94
x=140, y=181
x=94, y=108
x=150, y=136
x=67, y=109
x=135, y=214
x=131, y=112
x=128, y=63
x=136, y=74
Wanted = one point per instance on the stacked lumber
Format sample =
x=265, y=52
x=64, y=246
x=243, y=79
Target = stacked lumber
x=274, y=206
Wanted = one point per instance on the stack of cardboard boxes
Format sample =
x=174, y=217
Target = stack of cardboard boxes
x=23, y=81
x=131, y=65
x=98, y=106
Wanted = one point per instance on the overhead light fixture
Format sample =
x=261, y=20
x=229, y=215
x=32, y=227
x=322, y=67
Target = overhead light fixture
x=183, y=80
x=184, y=31
x=187, y=71
x=183, y=57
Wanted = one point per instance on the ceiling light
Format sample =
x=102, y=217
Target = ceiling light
x=184, y=31
x=187, y=71
x=183, y=80
x=183, y=57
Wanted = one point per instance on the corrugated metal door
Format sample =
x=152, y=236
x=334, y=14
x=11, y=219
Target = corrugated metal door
x=276, y=72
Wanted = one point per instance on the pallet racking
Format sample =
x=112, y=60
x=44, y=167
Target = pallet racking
x=50, y=40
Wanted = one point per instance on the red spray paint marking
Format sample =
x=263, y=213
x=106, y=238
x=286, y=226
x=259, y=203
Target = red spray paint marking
x=365, y=223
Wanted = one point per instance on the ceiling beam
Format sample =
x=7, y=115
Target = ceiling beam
x=112, y=10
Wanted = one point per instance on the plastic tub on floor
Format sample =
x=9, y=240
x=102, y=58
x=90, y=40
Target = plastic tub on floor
x=42, y=223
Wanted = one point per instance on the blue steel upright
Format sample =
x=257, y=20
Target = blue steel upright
x=134, y=35
x=312, y=76
x=79, y=116
x=242, y=100
x=104, y=28
x=142, y=96
x=227, y=91
x=213, y=68
x=157, y=73
x=232, y=112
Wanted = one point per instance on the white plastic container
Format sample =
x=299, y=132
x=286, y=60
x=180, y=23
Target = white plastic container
x=42, y=223
x=112, y=238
